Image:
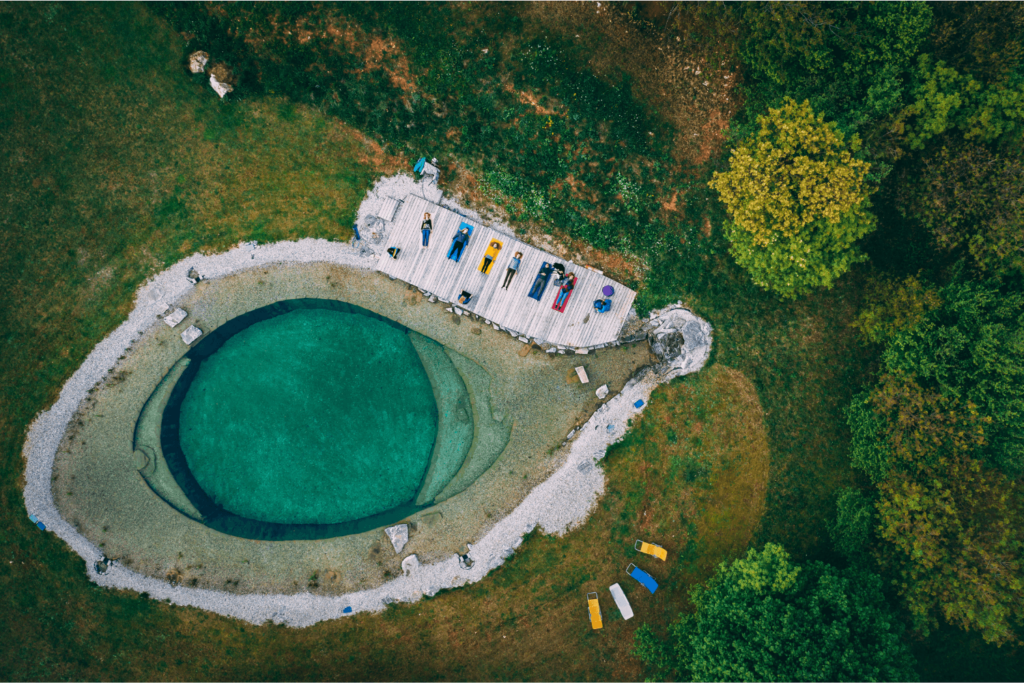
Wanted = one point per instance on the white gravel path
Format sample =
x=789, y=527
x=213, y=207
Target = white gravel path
x=557, y=505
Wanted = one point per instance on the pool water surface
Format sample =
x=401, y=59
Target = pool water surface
x=314, y=416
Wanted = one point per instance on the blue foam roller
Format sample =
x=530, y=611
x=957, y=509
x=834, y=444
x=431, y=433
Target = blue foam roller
x=639, y=403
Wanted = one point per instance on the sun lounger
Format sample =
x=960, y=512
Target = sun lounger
x=621, y=602
x=595, y=611
x=649, y=548
x=645, y=579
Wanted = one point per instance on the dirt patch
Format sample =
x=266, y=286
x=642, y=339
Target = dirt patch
x=689, y=79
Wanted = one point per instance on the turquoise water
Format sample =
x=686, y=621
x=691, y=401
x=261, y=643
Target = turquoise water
x=315, y=416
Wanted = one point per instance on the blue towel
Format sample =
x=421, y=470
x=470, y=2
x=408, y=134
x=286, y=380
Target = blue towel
x=42, y=527
x=419, y=165
x=347, y=610
x=645, y=579
x=639, y=403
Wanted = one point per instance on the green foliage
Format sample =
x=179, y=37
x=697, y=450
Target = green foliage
x=894, y=305
x=798, y=202
x=971, y=199
x=943, y=99
x=941, y=436
x=954, y=542
x=855, y=519
x=972, y=350
x=869, y=452
x=763, y=617
x=851, y=60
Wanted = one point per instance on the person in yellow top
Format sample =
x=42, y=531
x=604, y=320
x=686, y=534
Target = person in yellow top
x=489, y=256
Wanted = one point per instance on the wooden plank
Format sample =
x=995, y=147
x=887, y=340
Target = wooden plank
x=430, y=270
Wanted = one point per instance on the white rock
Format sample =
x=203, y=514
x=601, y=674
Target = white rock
x=399, y=535
x=176, y=316
x=222, y=89
x=583, y=351
x=191, y=334
x=410, y=564
x=602, y=391
x=197, y=62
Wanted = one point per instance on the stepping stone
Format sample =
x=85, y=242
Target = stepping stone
x=175, y=317
x=191, y=334
x=399, y=536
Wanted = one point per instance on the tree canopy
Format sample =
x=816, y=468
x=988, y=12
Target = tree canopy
x=764, y=617
x=941, y=436
x=798, y=200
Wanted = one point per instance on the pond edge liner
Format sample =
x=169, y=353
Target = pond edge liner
x=557, y=505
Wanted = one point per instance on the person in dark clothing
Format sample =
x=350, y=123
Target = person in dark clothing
x=513, y=268
x=393, y=252
x=426, y=227
x=559, y=274
x=540, y=283
x=461, y=238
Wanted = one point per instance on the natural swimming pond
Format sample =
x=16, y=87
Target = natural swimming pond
x=314, y=418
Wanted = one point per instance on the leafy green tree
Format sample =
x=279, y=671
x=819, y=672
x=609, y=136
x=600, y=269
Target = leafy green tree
x=763, y=617
x=855, y=520
x=941, y=436
x=798, y=200
x=971, y=199
x=944, y=99
x=894, y=305
x=972, y=349
x=851, y=60
x=953, y=540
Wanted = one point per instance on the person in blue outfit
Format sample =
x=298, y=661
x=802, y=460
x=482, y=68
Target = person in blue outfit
x=540, y=283
x=566, y=288
x=426, y=227
x=461, y=238
x=513, y=268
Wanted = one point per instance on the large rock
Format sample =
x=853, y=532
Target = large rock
x=680, y=340
x=399, y=535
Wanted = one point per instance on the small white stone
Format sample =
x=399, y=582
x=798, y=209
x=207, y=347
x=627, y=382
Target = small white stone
x=175, y=317
x=410, y=564
x=525, y=340
x=602, y=391
x=399, y=535
x=583, y=351
x=191, y=334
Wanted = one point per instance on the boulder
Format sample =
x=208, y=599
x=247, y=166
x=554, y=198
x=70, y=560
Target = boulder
x=398, y=535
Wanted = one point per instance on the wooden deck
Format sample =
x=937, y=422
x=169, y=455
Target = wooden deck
x=431, y=270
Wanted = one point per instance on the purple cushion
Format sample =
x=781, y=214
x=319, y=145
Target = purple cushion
x=608, y=290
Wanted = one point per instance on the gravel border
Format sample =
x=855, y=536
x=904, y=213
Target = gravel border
x=559, y=504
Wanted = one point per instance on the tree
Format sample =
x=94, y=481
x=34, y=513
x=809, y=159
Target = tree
x=940, y=435
x=855, y=520
x=894, y=305
x=798, y=202
x=971, y=199
x=763, y=617
x=944, y=99
x=851, y=60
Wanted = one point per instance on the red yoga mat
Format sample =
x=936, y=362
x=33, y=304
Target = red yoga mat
x=561, y=309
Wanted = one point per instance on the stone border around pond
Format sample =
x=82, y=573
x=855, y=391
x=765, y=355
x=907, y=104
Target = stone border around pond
x=562, y=502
